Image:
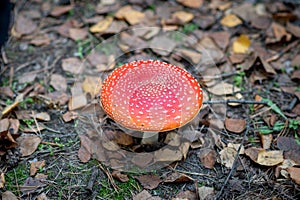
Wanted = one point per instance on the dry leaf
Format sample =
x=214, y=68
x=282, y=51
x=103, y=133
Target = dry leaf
x=28, y=144
x=191, y=55
x=227, y=156
x=35, y=166
x=69, y=116
x=205, y=192
x=162, y=45
x=191, y=3
x=6, y=91
x=92, y=85
x=72, y=65
x=269, y=158
x=60, y=10
x=266, y=140
x=134, y=17
x=183, y=17
x=223, y=89
x=31, y=184
x=24, y=26
x=176, y=177
x=102, y=25
x=235, y=125
x=230, y=20
x=221, y=38
x=77, y=102
x=78, y=33
x=42, y=116
x=2, y=180
x=208, y=157
x=119, y=176
x=142, y=159
x=42, y=196
x=294, y=174
x=42, y=40
x=241, y=44
x=293, y=29
x=85, y=151
x=58, y=82
x=8, y=195
x=145, y=195
x=149, y=181
x=236, y=147
x=186, y=195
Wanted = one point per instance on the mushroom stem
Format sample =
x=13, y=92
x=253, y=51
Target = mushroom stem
x=149, y=138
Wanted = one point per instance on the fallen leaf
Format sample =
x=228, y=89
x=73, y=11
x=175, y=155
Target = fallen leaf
x=134, y=17
x=72, y=65
x=293, y=29
x=245, y=11
x=27, y=78
x=269, y=158
x=162, y=45
x=119, y=176
x=287, y=143
x=191, y=3
x=296, y=75
x=221, y=38
x=58, y=82
x=227, y=156
x=235, y=125
x=92, y=85
x=35, y=166
x=31, y=184
x=42, y=196
x=280, y=32
x=176, y=177
x=182, y=17
x=102, y=25
x=223, y=89
x=60, y=10
x=42, y=116
x=167, y=155
x=69, y=116
x=85, y=151
x=149, y=181
x=78, y=33
x=77, y=102
x=24, y=26
x=241, y=44
x=261, y=22
x=205, y=192
x=6, y=91
x=145, y=195
x=236, y=147
x=191, y=55
x=186, y=195
x=230, y=20
x=8, y=195
x=2, y=180
x=266, y=140
x=41, y=40
x=294, y=174
x=142, y=160
x=208, y=157
x=28, y=144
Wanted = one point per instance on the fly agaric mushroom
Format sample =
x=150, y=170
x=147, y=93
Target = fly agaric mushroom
x=151, y=96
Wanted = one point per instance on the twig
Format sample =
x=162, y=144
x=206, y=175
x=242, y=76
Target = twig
x=219, y=194
x=242, y=101
x=91, y=182
x=110, y=178
x=284, y=50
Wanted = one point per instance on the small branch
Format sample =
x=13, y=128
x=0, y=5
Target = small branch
x=242, y=101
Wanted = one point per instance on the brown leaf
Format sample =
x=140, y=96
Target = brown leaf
x=294, y=174
x=42, y=116
x=28, y=144
x=42, y=196
x=60, y=10
x=69, y=116
x=2, y=180
x=102, y=25
x=162, y=45
x=145, y=195
x=8, y=195
x=186, y=195
x=24, y=26
x=85, y=151
x=6, y=91
x=235, y=125
x=149, y=181
x=269, y=158
x=142, y=159
x=296, y=61
x=221, y=38
x=191, y=3
x=296, y=75
x=287, y=143
x=119, y=176
x=252, y=152
x=56, y=98
x=230, y=20
x=176, y=177
x=266, y=140
x=293, y=29
x=41, y=40
x=58, y=82
x=205, y=192
x=7, y=140
x=182, y=17
x=208, y=157
x=35, y=166
x=31, y=184
x=78, y=33
x=227, y=156
x=77, y=102
x=27, y=77
x=134, y=17
x=92, y=85
x=72, y=65
x=280, y=32
x=167, y=155
x=4, y=124
x=261, y=22
x=191, y=55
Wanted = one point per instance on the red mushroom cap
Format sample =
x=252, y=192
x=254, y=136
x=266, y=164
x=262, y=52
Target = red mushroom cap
x=151, y=96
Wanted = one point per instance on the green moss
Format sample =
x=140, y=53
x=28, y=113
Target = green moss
x=16, y=177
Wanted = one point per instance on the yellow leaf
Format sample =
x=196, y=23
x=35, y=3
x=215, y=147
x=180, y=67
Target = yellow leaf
x=91, y=85
x=269, y=158
x=241, y=44
x=102, y=25
x=183, y=16
x=231, y=20
x=134, y=17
